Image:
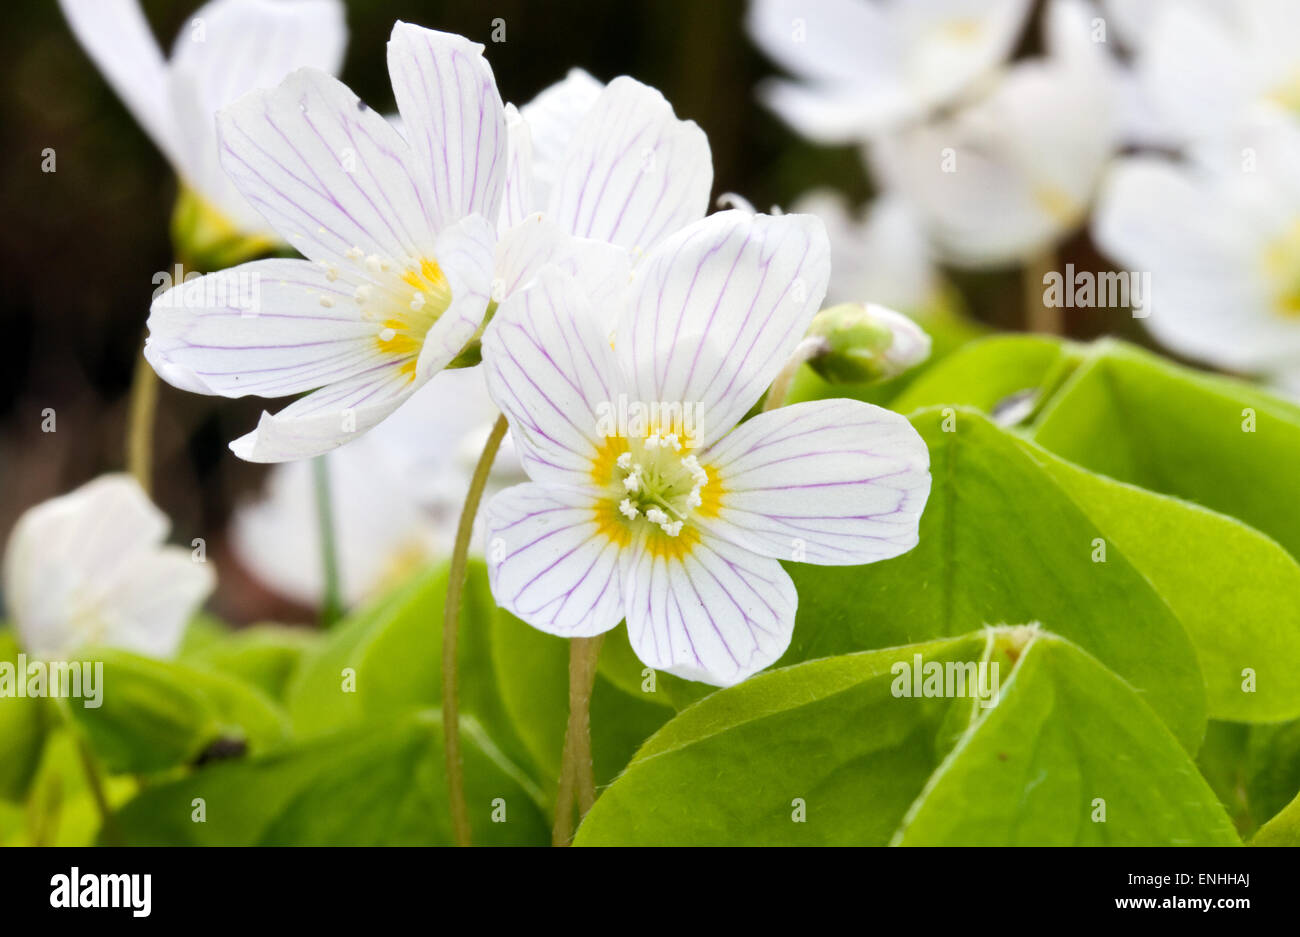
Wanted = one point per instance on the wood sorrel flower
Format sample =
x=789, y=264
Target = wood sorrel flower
x=89, y=568
x=228, y=48
x=397, y=237
x=647, y=502
x=868, y=67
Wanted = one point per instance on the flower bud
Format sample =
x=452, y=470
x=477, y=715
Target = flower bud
x=866, y=342
x=205, y=240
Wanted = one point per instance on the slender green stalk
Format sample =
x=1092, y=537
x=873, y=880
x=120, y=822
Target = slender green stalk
x=450, y=631
x=577, y=779
x=94, y=780
x=331, y=606
x=141, y=417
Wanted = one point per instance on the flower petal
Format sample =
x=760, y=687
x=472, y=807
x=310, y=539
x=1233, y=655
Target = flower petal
x=464, y=254
x=602, y=270
x=328, y=173
x=833, y=482
x=553, y=118
x=550, y=563
x=717, y=309
x=717, y=613
x=225, y=51
x=80, y=569
x=517, y=200
x=633, y=173
x=117, y=37
x=327, y=418
x=550, y=369
x=453, y=117
x=270, y=328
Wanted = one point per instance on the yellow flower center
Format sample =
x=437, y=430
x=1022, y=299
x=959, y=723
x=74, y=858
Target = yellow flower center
x=1282, y=268
x=655, y=486
x=404, y=298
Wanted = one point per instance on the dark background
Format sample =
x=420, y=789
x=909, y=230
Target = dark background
x=78, y=247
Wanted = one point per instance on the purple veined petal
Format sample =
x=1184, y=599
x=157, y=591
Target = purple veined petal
x=334, y=178
x=329, y=417
x=602, y=270
x=633, y=173
x=454, y=119
x=709, y=611
x=551, y=371
x=117, y=37
x=716, y=310
x=270, y=328
x=519, y=197
x=551, y=562
x=833, y=482
x=226, y=49
x=553, y=118
x=464, y=255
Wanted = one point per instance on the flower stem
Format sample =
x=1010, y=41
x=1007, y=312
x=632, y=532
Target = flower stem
x=331, y=606
x=450, y=627
x=1039, y=317
x=108, y=823
x=141, y=416
x=805, y=351
x=576, y=776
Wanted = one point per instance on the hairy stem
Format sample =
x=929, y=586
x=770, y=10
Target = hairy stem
x=576, y=776
x=1039, y=317
x=331, y=606
x=451, y=627
x=805, y=351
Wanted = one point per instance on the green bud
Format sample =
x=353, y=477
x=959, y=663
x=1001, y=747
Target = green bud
x=865, y=343
x=206, y=240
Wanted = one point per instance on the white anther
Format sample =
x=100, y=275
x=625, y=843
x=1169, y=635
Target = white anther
x=374, y=263
x=387, y=335
x=327, y=301
x=356, y=253
x=627, y=509
x=656, y=516
x=362, y=293
x=418, y=302
x=625, y=461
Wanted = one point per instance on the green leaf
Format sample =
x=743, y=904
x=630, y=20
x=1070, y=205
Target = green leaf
x=831, y=752
x=1255, y=769
x=24, y=723
x=1283, y=829
x=1067, y=740
x=987, y=373
x=1136, y=417
x=265, y=656
x=532, y=674
x=1002, y=541
x=157, y=714
x=1231, y=587
x=380, y=784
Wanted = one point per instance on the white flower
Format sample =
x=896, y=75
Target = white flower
x=227, y=48
x=1014, y=173
x=882, y=255
x=89, y=568
x=397, y=236
x=1221, y=242
x=682, y=536
x=396, y=495
x=1203, y=67
x=867, y=66
x=401, y=238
